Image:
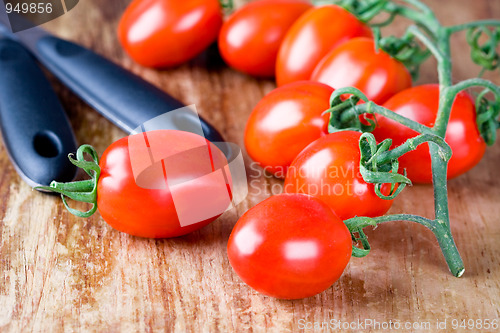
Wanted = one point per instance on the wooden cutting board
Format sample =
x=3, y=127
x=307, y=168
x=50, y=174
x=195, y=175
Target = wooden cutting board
x=63, y=273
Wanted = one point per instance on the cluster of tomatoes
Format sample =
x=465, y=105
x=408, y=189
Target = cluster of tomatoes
x=295, y=245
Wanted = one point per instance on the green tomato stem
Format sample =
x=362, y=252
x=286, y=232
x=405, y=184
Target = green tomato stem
x=421, y=6
x=475, y=82
x=78, y=186
x=430, y=44
x=442, y=217
x=481, y=23
x=444, y=151
x=380, y=163
x=227, y=4
x=380, y=173
x=424, y=18
x=85, y=190
x=372, y=108
x=440, y=230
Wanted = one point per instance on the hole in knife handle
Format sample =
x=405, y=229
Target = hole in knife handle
x=47, y=144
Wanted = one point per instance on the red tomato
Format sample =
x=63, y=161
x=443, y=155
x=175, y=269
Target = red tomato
x=357, y=64
x=161, y=33
x=421, y=104
x=289, y=246
x=311, y=37
x=329, y=169
x=249, y=40
x=142, y=211
x=284, y=122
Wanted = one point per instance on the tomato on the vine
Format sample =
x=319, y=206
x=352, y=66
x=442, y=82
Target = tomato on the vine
x=421, y=104
x=311, y=37
x=329, y=169
x=284, y=122
x=163, y=33
x=357, y=63
x=289, y=246
x=249, y=40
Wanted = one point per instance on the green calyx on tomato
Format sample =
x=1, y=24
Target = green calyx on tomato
x=83, y=191
x=405, y=50
x=329, y=169
x=352, y=173
x=487, y=116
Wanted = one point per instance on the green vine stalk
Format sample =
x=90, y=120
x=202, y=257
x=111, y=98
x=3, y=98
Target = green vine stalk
x=379, y=164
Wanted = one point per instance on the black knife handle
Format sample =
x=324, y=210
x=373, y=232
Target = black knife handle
x=35, y=129
x=124, y=98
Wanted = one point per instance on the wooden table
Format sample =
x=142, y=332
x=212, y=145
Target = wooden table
x=63, y=273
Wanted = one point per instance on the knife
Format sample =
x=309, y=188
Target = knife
x=35, y=129
x=124, y=98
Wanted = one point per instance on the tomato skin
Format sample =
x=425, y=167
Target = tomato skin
x=144, y=212
x=421, y=104
x=249, y=40
x=289, y=246
x=284, y=122
x=311, y=37
x=356, y=64
x=166, y=33
x=329, y=170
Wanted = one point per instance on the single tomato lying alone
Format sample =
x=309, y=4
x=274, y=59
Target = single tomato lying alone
x=289, y=246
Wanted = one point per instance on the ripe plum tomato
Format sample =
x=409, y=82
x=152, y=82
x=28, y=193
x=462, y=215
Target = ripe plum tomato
x=311, y=37
x=249, y=40
x=284, y=122
x=357, y=64
x=289, y=246
x=421, y=104
x=145, y=206
x=329, y=169
x=165, y=33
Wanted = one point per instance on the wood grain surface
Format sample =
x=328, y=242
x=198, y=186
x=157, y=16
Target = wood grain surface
x=63, y=273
